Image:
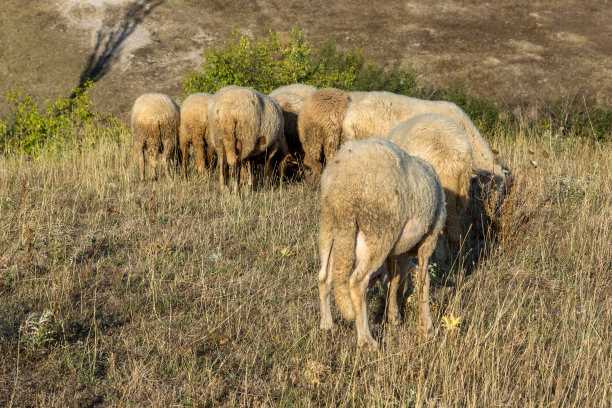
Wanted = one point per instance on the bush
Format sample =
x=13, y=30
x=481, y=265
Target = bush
x=268, y=64
x=29, y=130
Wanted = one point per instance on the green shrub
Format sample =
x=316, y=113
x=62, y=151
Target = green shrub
x=30, y=129
x=268, y=64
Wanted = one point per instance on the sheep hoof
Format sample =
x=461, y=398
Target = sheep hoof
x=395, y=320
x=328, y=325
x=368, y=342
x=428, y=332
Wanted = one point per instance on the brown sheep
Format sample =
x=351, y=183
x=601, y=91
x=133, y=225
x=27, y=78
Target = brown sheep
x=194, y=130
x=377, y=203
x=320, y=127
x=155, y=123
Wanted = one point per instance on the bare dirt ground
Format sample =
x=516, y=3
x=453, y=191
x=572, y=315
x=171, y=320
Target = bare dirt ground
x=517, y=51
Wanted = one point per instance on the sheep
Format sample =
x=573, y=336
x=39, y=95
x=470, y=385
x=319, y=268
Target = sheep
x=303, y=90
x=155, y=126
x=354, y=95
x=377, y=203
x=403, y=108
x=290, y=98
x=194, y=130
x=245, y=125
x=320, y=127
x=441, y=142
x=368, y=116
x=291, y=104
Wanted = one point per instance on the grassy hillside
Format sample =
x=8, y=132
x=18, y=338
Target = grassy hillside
x=173, y=293
x=170, y=293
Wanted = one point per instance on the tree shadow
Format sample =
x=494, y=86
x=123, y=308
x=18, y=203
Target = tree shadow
x=108, y=44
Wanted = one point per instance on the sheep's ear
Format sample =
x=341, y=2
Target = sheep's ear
x=262, y=141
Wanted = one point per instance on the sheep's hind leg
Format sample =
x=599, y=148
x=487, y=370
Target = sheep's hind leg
x=210, y=154
x=406, y=268
x=358, y=288
x=223, y=171
x=235, y=173
x=165, y=163
x=185, y=156
x=198, y=152
x=394, y=315
x=425, y=252
x=325, y=282
x=268, y=166
x=359, y=280
x=326, y=240
x=251, y=174
x=153, y=161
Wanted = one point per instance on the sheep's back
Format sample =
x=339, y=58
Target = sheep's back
x=303, y=90
x=368, y=116
x=195, y=108
x=154, y=107
x=434, y=138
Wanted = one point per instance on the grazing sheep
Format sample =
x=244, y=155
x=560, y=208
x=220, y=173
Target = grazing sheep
x=378, y=203
x=320, y=127
x=303, y=90
x=155, y=126
x=194, y=130
x=291, y=104
x=403, y=108
x=368, y=116
x=245, y=126
x=441, y=142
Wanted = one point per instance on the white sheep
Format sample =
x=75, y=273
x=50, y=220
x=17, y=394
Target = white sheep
x=387, y=110
x=245, y=125
x=194, y=130
x=155, y=123
x=302, y=90
x=378, y=203
x=441, y=142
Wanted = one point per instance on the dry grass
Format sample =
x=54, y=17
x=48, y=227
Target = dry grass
x=170, y=293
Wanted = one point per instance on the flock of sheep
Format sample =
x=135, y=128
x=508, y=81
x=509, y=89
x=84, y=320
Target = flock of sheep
x=394, y=173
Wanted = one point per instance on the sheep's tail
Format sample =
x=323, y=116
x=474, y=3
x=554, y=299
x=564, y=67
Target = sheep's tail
x=345, y=233
x=228, y=139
